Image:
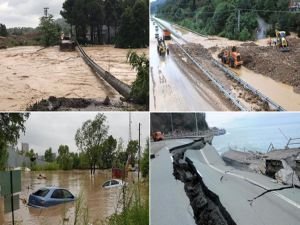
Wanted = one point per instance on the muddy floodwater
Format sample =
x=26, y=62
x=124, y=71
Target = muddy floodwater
x=100, y=202
x=28, y=75
x=114, y=60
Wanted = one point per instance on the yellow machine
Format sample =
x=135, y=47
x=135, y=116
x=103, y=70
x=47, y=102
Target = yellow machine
x=281, y=41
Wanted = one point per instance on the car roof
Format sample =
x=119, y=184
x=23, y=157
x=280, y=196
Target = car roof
x=52, y=188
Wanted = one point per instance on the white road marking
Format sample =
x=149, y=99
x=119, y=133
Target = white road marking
x=295, y=204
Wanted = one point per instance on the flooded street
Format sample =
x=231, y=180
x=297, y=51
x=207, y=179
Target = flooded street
x=171, y=87
x=114, y=60
x=100, y=202
x=28, y=75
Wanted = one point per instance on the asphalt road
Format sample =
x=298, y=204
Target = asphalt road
x=234, y=188
x=169, y=203
x=171, y=88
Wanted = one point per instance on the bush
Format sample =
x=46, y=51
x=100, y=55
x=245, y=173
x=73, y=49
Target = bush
x=47, y=166
x=244, y=35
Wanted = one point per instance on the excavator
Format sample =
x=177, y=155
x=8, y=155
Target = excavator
x=281, y=41
x=231, y=57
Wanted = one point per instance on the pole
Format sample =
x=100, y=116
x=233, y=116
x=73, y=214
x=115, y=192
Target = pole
x=12, y=198
x=139, y=152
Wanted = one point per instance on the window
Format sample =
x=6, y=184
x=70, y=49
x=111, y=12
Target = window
x=42, y=192
x=107, y=183
x=58, y=194
x=67, y=194
x=114, y=182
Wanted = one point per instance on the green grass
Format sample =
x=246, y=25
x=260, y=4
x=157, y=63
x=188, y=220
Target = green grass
x=47, y=166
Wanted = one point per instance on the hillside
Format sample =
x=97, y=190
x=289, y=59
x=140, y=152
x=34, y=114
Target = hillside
x=219, y=17
x=180, y=122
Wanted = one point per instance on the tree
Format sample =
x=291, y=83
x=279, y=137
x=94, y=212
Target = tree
x=245, y=35
x=50, y=31
x=64, y=159
x=3, y=31
x=140, y=87
x=49, y=157
x=11, y=124
x=90, y=137
x=145, y=161
x=132, y=149
x=107, y=153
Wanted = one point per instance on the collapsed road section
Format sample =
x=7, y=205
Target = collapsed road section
x=210, y=192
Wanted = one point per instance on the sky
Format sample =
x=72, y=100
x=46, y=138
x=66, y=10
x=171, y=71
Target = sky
x=26, y=13
x=44, y=130
x=250, y=119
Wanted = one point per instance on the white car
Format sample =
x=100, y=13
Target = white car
x=113, y=183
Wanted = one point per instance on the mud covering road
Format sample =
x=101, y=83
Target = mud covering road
x=28, y=75
x=269, y=61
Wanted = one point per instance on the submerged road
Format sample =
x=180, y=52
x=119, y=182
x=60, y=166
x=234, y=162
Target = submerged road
x=234, y=187
x=171, y=88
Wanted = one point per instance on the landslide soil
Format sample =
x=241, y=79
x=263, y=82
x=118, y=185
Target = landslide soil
x=269, y=61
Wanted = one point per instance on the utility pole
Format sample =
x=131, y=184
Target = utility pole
x=46, y=11
x=139, y=152
x=239, y=20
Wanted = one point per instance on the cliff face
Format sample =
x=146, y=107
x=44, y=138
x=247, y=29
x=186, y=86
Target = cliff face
x=180, y=121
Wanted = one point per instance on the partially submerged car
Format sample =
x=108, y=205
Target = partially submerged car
x=113, y=183
x=50, y=196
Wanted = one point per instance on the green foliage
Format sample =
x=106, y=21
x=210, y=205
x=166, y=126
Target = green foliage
x=107, y=153
x=49, y=157
x=135, y=210
x=48, y=166
x=11, y=124
x=220, y=17
x=64, y=158
x=140, y=87
x=90, y=137
x=50, y=31
x=132, y=149
x=129, y=20
x=145, y=161
x=244, y=35
x=3, y=31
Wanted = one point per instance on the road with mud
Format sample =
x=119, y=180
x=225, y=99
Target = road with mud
x=208, y=182
x=173, y=88
x=269, y=87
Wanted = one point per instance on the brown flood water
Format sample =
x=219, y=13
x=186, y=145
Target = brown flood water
x=28, y=75
x=101, y=203
x=114, y=60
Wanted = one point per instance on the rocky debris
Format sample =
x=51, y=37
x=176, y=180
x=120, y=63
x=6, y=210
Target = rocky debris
x=68, y=104
x=206, y=205
x=269, y=61
x=269, y=163
x=287, y=175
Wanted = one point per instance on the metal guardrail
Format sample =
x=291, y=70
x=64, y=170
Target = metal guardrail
x=248, y=86
x=118, y=85
x=229, y=73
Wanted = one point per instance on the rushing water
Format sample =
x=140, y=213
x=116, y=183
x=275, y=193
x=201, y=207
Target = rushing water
x=256, y=138
x=100, y=202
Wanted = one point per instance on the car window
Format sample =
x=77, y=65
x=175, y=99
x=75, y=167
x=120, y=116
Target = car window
x=114, y=182
x=107, y=183
x=41, y=192
x=67, y=194
x=58, y=193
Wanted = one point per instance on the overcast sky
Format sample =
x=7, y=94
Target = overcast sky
x=250, y=119
x=44, y=130
x=26, y=13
